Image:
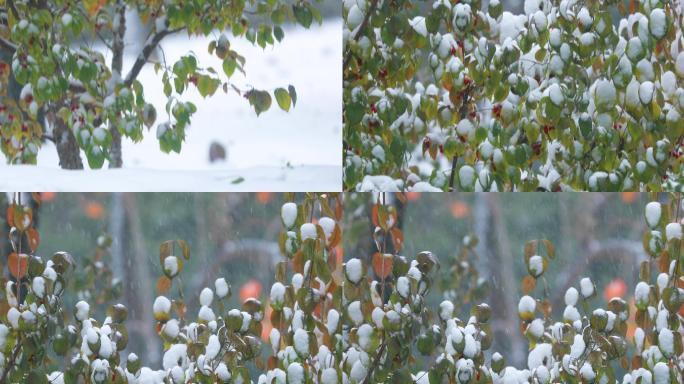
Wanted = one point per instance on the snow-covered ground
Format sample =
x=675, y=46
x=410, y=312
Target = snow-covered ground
x=299, y=150
x=308, y=178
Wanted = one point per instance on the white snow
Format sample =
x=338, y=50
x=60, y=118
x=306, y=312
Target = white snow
x=288, y=213
x=222, y=287
x=673, y=231
x=641, y=292
x=466, y=176
x=295, y=374
x=536, y=264
x=541, y=355
x=418, y=25
x=679, y=64
x=587, y=287
x=353, y=269
x=38, y=286
x=666, y=341
x=161, y=305
x=82, y=310
x=653, y=212
x=646, y=90
x=277, y=293
x=578, y=347
x=13, y=315
x=308, y=231
x=333, y=320
x=571, y=296
x=555, y=94
x=403, y=286
x=206, y=296
x=446, y=310
x=176, y=355
x=293, y=151
x=354, y=311
x=465, y=128
x=262, y=179
x=358, y=372
x=657, y=22
x=661, y=373
x=328, y=225
x=171, y=265
x=171, y=328
x=526, y=305
x=364, y=333
x=536, y=328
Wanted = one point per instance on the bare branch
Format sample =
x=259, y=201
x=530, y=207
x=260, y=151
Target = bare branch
x=359, y=32
x=146, y=52
x=8, y=45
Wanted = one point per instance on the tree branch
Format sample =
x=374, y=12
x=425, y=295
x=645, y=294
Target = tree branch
x=8, y=45
x=146, y=52
x=359, y=32
x=375, y=363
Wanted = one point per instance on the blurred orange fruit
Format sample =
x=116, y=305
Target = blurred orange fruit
x=412, y=196
x=459, y=209
x=616, y=288
x=47, y=196
x=251, y=289
x=629, y=197
x=94, y=210
x=264, y=197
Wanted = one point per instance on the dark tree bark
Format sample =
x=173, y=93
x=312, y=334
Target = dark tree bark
x=67, y=147
x=116, y=160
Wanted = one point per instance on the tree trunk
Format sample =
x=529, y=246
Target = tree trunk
x=67, y=147
x=115, y=160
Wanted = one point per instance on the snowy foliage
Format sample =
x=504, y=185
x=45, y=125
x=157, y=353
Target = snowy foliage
x=569, y=95
x=329, y=322
x=68, y=64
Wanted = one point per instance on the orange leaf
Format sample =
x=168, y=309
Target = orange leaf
x=33, y=239
x=163, y=285
x=382, y=264
x=528, y=284
x=17, y=264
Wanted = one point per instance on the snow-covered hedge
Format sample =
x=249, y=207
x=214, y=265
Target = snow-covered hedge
x=327, y=321
x=583, y=95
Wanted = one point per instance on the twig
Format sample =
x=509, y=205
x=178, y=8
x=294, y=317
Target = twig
x=146, y=52
x=376, y=361
x=359, y=32
x=8, y=45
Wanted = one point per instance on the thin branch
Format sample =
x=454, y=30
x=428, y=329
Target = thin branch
x=8, y=45
x=376, y=361
x=146, y=52
x=359, y=32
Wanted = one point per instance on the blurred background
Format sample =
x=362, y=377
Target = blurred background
x=235, y=236
x=598, y=235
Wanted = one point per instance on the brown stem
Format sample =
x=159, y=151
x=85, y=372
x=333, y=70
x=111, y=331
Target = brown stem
x=376, y=361
x=359, y=32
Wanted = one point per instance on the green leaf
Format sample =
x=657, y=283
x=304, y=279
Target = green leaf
x=283, y=99
x=260, y=100
x=229, y=65
x=278, y=33
x=238, y=180
x=303, y=14
x=293, y=94
x=207, y=86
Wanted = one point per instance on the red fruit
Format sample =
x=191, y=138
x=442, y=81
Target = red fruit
x=382, y=73
x=467, y=81
x=453, y=50
x=374, y=109
x=441, y=148
x=426, y=144
x=497, y=110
